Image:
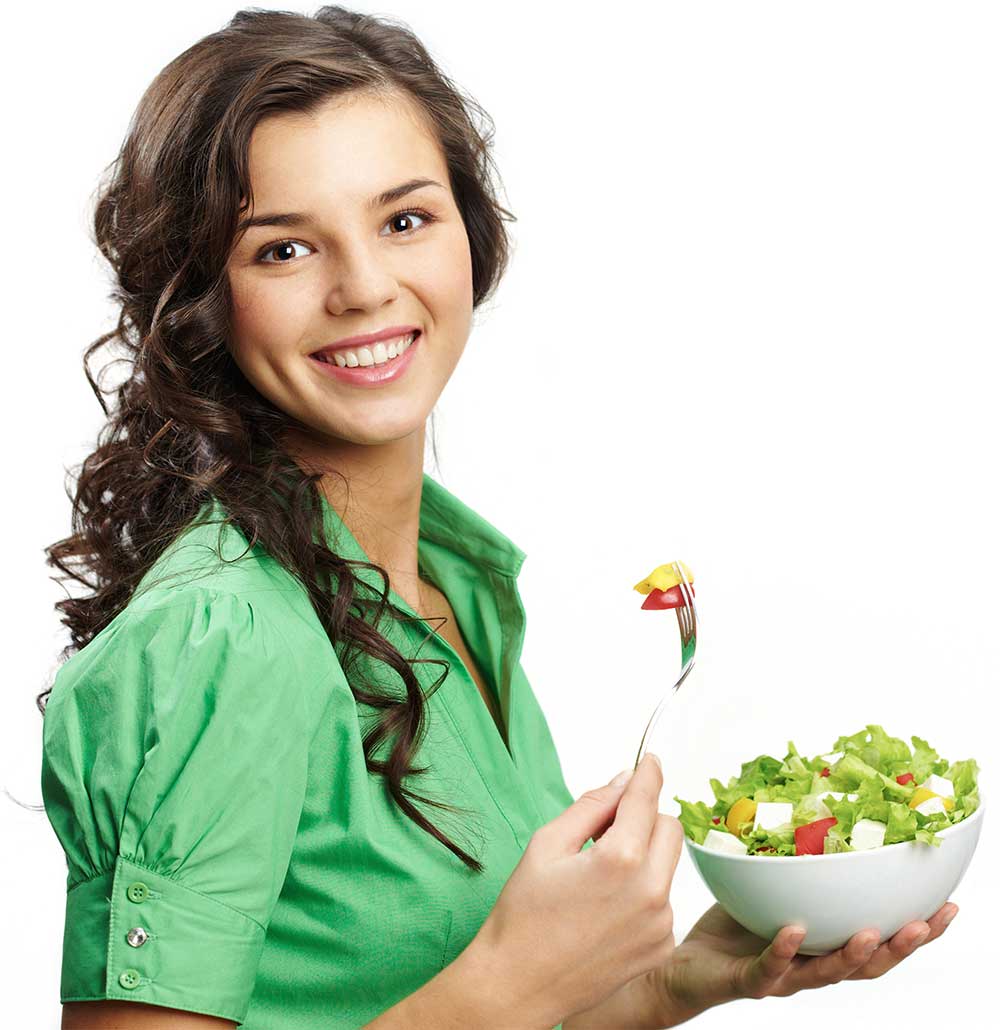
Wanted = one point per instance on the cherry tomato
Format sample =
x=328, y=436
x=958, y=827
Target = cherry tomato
x=672, y=598
x=809, y=838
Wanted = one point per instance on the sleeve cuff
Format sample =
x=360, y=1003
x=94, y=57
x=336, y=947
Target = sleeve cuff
x=135, y=935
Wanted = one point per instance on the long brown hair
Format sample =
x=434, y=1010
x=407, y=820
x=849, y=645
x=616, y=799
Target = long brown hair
x=187, y=424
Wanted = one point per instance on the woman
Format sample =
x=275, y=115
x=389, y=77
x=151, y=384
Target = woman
x=252, y=772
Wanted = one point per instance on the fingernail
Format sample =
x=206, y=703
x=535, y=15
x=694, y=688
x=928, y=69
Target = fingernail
x=920, y=939
x=656, y=758
x=870, y=946
x=950, y=916
x=622, y=778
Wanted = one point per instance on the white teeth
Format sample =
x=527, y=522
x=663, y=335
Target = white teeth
x=377, y=355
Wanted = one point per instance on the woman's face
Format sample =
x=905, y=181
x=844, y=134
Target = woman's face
x=351, y=266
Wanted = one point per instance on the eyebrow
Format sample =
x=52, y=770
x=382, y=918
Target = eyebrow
x=295, y=219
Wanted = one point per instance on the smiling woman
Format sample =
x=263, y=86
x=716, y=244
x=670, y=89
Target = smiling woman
x=349, y=214
x=291, y=625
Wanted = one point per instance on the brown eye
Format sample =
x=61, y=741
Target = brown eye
x=403, y=220
x=406, y=216
x=281, y=245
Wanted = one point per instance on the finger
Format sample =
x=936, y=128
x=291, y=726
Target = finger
x=763, y=972
x=940, y=920
x=638, y=809
x=821, y=970
x=665, y=848
x=574, y=826
x=604, y=829
x=891, y=952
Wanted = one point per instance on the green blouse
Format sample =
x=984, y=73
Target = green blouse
x=202, y=767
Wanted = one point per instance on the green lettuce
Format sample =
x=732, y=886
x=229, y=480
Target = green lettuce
x=871, y=762
x=696, y=818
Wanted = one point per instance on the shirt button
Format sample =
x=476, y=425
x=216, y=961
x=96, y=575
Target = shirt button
x=137, y=892
x=129, y=979
x=137, y=936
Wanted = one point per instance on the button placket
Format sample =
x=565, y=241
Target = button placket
x=138, y=893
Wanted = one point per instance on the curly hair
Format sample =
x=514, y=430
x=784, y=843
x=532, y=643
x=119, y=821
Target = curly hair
x=186, y=424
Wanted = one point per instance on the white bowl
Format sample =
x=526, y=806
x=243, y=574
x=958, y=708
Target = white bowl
x=835, y=896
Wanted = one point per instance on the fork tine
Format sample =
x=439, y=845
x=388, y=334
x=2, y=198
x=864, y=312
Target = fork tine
x=682, y=613
x=688, y=594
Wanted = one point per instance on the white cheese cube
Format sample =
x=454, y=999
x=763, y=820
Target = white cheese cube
x=930, y=806
x=939, y=785
x=772, y=813
x=867, y=833
x=727, y=842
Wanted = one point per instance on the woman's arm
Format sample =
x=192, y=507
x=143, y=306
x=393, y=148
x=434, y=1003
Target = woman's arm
x=136, y=1015
x=470, y=992
x=641, y=1004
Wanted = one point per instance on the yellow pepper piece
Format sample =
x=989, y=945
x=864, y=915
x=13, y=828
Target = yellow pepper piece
x=742, y=811
x=663, y=577
x=922, y=794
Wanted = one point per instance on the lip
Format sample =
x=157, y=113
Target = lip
x=367, y=339
x=368, y=375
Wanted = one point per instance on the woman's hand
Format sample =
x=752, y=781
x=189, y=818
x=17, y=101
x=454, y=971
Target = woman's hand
x=573, y=926
x=720, y=961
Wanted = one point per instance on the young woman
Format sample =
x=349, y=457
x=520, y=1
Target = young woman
x=295, y=765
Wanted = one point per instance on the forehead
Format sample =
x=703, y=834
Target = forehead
x=341, y=154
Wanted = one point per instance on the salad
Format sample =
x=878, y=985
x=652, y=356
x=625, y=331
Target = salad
x=869, y=791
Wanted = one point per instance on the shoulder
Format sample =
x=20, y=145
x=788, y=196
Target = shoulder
x=212, y=623
x=212, y=553
x=213, y=608
x=177, y=659
x=210, y=578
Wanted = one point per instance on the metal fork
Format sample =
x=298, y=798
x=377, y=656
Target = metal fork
x=687, y=623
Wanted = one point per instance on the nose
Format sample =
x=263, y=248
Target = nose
x=359, y=280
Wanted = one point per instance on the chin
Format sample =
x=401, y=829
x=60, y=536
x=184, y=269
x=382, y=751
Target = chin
x=372, y=431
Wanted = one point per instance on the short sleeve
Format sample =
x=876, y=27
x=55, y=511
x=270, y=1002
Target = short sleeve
x=174, y=769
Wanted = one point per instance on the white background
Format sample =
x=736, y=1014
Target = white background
x=751, y=322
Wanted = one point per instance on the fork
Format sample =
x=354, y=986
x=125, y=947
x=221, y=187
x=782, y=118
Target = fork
x=687, y=623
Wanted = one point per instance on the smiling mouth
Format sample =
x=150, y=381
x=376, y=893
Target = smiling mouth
x=380, y=353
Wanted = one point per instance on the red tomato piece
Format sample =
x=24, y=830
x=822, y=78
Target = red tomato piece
x=672, y=598
x=716, y=818
x=905, y=778
x=825, y=771
x=809, y=838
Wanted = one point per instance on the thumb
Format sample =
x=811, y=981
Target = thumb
x=590, y=814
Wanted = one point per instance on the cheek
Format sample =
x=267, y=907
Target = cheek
x=263, y=321
x=448, y=282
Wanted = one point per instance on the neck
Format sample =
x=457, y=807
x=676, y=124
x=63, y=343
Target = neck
x=376, y=490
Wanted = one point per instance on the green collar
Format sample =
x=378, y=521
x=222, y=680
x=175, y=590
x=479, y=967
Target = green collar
x=446, y=521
